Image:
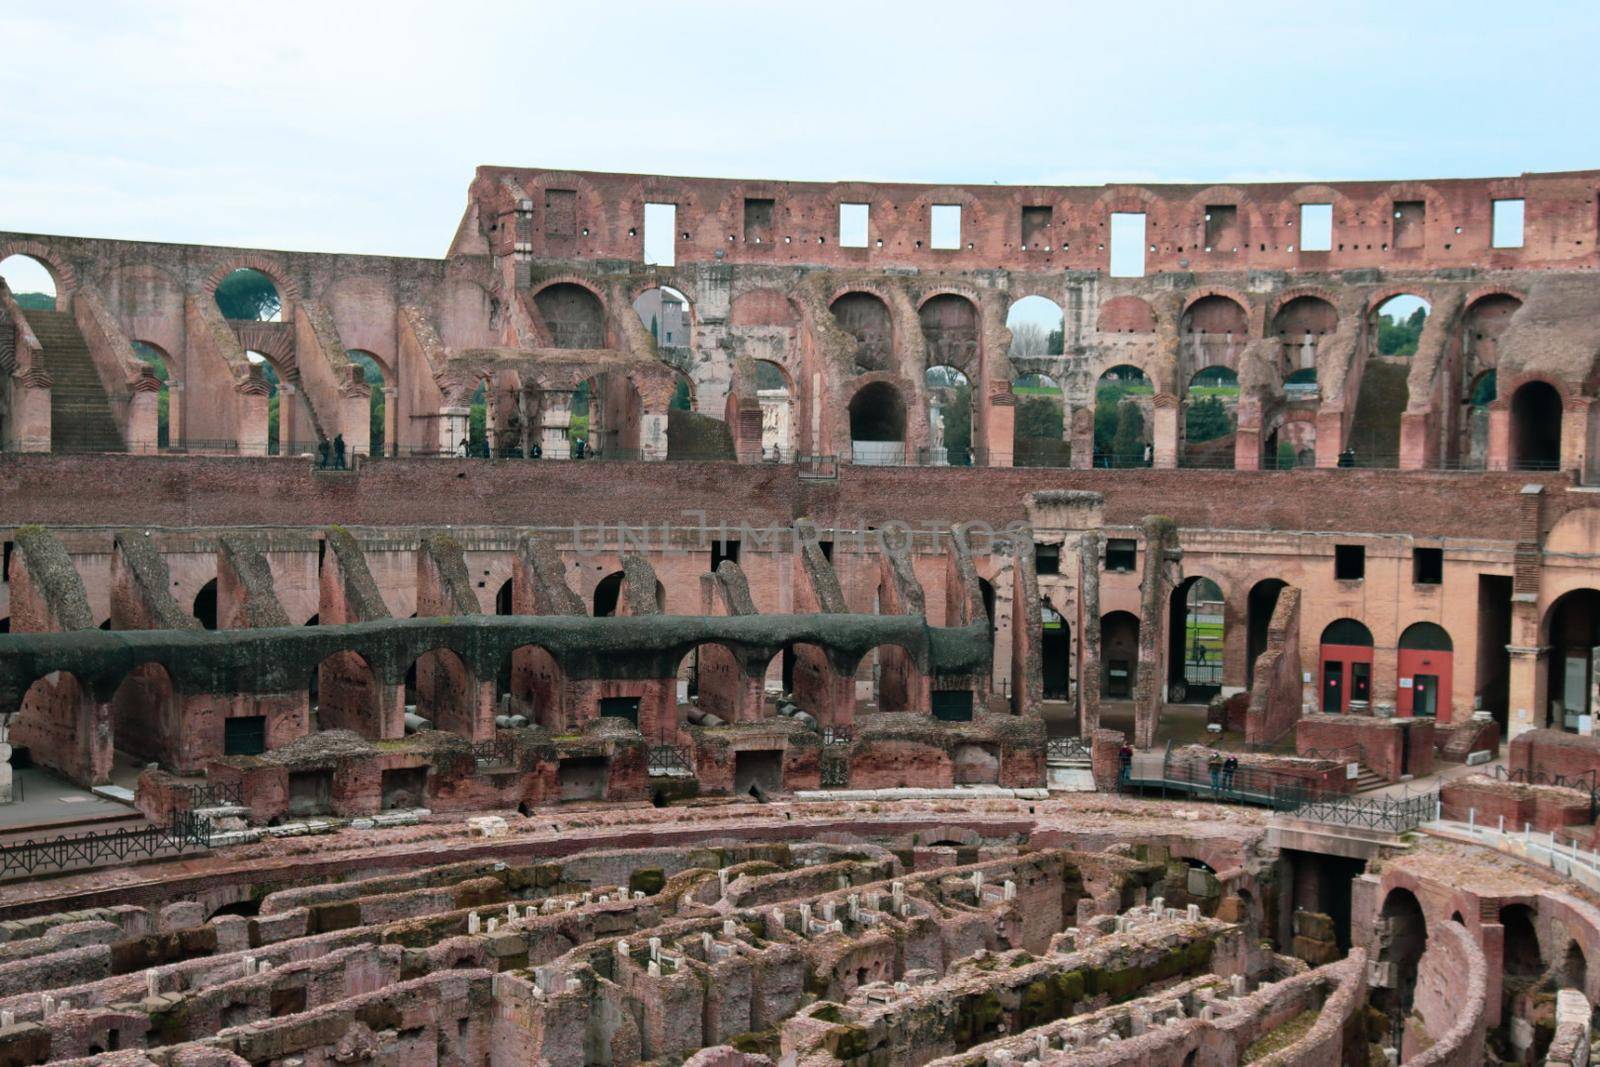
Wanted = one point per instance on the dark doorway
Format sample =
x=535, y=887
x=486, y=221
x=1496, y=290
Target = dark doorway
x=762, y=769
x=1055, y=653
x=1536, y=428
x=1261, y=603
x=1492, y=690
x=205, y=605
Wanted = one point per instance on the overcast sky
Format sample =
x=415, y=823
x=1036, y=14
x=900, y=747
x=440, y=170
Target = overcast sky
x=341, y=126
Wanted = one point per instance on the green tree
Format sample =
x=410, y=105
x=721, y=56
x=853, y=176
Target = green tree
x=1207, y=420
x=35, y=301
x=248, y=295
x=1399, y=337
x=958, y=425
x=1106, y=402
x=1286, y=456
x=1128, y=444
x=1056, y=344
x=1039, y=417
x=680, y=397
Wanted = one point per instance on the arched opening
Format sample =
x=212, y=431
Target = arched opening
x=1119, y=655
x=779, y=428
x=1055, y=652
x=55, y=723
x=1572, y=632
x=1575, y=968
x=866, y=318
x=1300, y=326
x=664, y=311
x=1474, y=440
x=573, y=316
x=606, y=594
x=377, y=377
x=32, y=284
x=606, y=411
x=1039, y=437
x=804, y=672
x=886, y=678
x=1036, y=326
x=1214, y=330
x=345, y=695
x=710, y=682
x=877, y=425
x=1209, y=418
x=1195, y=636
x=205, y=605
x=1536, y=427
x=145, y=714
x=1424, y=668
x=949, y=417
x=1392, y=335
x=1402, y=938
x=248, y=295
x=1345, y=666
x=502, y=599
x=1261, y=603
x=950, y=332
x=1522, y=959
x=1481, y=327
x=440, y=688
x=157, y=360
x=1122, y=400
x=532, y=687
x=290, y=428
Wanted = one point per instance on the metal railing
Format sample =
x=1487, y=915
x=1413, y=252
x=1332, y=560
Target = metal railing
x=186, y=832
x=1352, y=753
x=670, y=760
x=1391, y=814
x=210, y=795
x=1066, y=748
x=1587, y=783
x=836, y=735
x=497, y=751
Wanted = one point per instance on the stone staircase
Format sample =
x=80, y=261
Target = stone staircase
x=1375, y=430
x=1368, y=779
x=80, y=411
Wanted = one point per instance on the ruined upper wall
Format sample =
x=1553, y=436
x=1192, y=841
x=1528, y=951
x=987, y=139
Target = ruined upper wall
x=545, y=214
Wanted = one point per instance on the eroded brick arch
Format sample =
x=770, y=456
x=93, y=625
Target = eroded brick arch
x=288, y=291
x=61, y=271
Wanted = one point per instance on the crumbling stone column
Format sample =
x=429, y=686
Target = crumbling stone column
x=250, y=399
x=1162, y=570
x=1000, y=433
x=144, y=420
x=1165, y=443
x=30, y=409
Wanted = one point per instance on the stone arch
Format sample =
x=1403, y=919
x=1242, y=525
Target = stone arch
x=1119, y=655
x=1537, y=412
x=288, y=289
x=1197, y=636
x=573, y=313
x=536, y=685
x=864, y=314
x=346, y=694
x=878, y=422
x=146, y=714
x=60, y=270
x=1126, y=314
x=1402, y=939
x=1123, y=415
x=950, y=333
x=442, y=687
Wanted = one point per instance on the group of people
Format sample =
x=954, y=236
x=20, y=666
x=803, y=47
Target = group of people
x=337, y=450
x=1223, y=769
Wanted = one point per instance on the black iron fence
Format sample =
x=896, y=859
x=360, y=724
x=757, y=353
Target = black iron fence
x=1390, y=814
x=1587, y=783
x=670, y=760
x=497, y=751
x=835, y=772
x=836, y=735
x=209, y=795
x=186, y=832
x=1066, y=748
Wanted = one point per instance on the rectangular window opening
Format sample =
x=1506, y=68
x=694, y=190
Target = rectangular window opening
x=1222, y=228
x=1036, y=226
x=1508, y=217
x=1047, y=559
x=944, y=229
x=758, y=220
x=5, y=562
x=1121, y=554
x=724, y=550
x=853, y=220
x=1349, y=562
x=1127, y=244
x=1427, y=566
x=660, y=234
x=1316, y=227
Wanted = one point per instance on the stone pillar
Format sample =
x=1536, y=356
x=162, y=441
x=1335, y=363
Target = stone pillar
x=30, y=403
x=1499, y=450
x=1165, y=415
x=1247, y=448
x=175, y=421
x=144, y=416
x=1155, y=596
x=1416, y=440
x=1000, y=433
x=1529, y=688
x=1576, y=432
x=555, y=423
x=355, y=414
x=1082, y=423
x=1330, y=436
x=454, y=429
x=746, y=430
x=391, y=419
x=251, y=404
